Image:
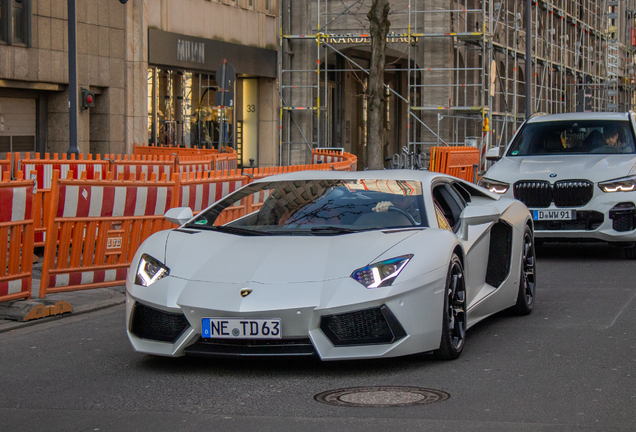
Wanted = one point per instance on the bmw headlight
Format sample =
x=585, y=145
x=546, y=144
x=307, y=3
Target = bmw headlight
x=624, y=184
x=150, y=270
x=494, y=185
x=382, y=273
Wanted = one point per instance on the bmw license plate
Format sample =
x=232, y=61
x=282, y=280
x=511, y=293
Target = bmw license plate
x=553, y=215
x=234, y=328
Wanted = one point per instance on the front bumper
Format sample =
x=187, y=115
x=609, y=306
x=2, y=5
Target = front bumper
x=607, y=217
x=414, y=309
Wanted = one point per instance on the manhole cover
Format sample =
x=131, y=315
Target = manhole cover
x=381, y=396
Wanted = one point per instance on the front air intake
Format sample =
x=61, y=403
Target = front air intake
x=157, y=325
x=363, y=327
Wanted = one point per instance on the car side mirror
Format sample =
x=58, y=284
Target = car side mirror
x=179, y=215
x=477, y=215
x=492, y=154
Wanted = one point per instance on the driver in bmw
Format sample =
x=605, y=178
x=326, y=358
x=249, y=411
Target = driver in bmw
x=612, y=143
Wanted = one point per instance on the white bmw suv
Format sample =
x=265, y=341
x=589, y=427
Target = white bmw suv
x=576, y=172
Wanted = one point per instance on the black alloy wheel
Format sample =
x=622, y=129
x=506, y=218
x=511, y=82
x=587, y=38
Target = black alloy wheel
x=454, y=318
x=527, y=281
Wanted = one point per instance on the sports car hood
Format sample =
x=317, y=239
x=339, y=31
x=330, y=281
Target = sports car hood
x=595, y=168
x=225, y=258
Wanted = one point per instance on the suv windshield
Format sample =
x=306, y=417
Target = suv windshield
x=578, y=137
x=316, y=207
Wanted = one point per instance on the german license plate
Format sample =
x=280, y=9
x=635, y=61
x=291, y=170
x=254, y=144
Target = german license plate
x=235, y=328
x=553, y=215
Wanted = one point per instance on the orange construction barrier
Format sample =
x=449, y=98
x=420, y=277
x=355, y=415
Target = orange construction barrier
x=194, y=164
x=5, y=165
x=41, y=170
x=337, y=160
x=456, y=161
x=141, y=164
x=100, y=224
x=16, y=232
x=168, y=151
x=204, y=189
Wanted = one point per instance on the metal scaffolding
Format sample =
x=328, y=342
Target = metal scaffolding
x=461, y=69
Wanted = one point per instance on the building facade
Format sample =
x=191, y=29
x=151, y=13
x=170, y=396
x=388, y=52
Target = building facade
x=456, y=69
x=154, y=66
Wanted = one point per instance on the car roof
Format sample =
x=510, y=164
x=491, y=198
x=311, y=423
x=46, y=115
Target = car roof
x=621, y=116
x=424, y=176
x=398, y=174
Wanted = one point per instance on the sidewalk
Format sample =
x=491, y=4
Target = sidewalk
x=80, y=301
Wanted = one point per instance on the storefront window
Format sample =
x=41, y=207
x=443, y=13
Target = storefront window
x=182, y=110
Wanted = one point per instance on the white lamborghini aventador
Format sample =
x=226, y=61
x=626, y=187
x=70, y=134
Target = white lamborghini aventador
x=339, y=265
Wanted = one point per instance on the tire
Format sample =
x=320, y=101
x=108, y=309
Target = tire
x=630, y=252
x=527, y=281
x=454, y=316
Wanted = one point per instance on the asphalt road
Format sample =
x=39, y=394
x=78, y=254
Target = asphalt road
x=570, y=366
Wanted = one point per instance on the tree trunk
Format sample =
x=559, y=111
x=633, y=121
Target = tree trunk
x=378, y=29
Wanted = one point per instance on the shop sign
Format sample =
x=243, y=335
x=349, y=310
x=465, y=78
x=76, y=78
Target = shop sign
x=364, y=39
x=190, y=51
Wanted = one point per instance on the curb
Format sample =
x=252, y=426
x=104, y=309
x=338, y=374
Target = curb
x=16, y=320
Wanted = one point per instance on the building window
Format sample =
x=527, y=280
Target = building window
x=15, y=21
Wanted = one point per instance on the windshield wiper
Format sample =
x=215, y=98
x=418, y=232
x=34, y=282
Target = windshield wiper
x=334, y=230
x=238, y=231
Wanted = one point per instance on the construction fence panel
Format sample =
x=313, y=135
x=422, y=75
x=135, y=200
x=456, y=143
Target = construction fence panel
x=457, y=161
x=16, y=237
x=169, y=151
x=137, y=165
x=6, y=165
x=200, y=191
x=41, y=170
x=99, y=225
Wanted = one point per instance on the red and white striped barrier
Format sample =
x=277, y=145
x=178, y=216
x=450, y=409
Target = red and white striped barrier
x=16, y=232
x=205, y=190
x=113, y=201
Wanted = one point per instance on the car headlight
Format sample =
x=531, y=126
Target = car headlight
x=382, y=273
x=494, y=185
x=624, y=184
x=150, y=270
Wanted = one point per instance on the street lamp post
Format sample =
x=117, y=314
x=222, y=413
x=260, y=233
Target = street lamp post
x=72, y=79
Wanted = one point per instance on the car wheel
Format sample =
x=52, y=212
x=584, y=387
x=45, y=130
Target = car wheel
x=454, y=317
x=630, y=252
x=527, y=281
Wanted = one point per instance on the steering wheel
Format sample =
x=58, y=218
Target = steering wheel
x=607, y=149
x=405, y=214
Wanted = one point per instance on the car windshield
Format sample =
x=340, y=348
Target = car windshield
x=578, y=137
x=317, y=207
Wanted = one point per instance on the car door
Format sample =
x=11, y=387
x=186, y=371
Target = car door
x=452, y=198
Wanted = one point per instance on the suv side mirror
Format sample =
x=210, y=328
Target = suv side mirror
x=477, y=215
x=492, y=154
x=179, y=215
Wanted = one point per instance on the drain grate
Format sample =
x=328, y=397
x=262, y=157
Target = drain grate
x=397, y=396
